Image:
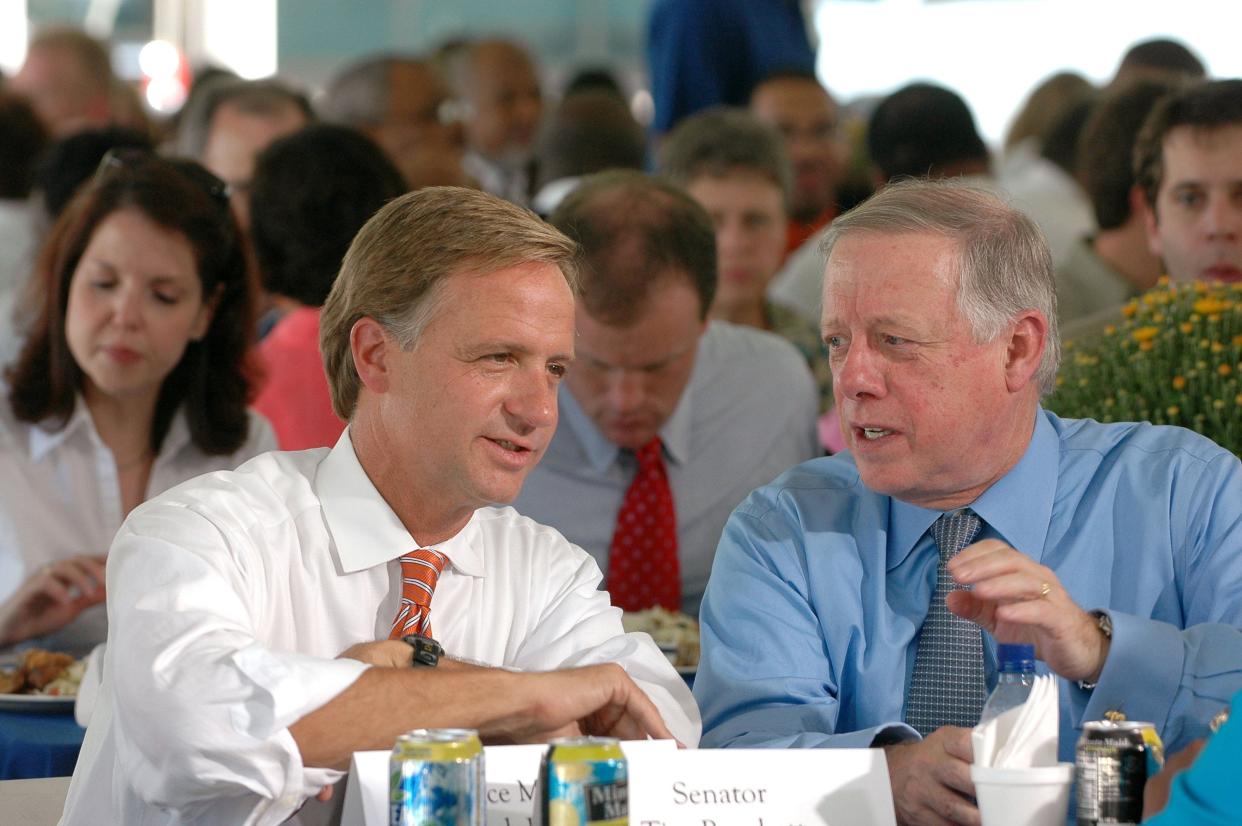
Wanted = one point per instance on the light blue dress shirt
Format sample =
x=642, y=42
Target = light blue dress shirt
x=747, y=415
x=820, y=586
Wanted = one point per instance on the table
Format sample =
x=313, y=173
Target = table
x=38, y=745
x=33, y=802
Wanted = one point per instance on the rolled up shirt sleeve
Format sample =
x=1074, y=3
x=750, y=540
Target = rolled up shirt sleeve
x=203, y=709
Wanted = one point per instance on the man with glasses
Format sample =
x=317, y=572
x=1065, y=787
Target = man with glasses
x=402, y=104
x=666, y=419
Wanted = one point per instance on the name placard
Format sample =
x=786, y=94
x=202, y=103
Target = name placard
x=762, y=787
x=671, y=787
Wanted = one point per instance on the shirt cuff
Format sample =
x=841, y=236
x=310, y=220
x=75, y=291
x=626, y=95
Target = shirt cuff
x=1143, y=652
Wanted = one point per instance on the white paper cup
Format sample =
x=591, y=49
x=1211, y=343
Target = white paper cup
x=1023, y=797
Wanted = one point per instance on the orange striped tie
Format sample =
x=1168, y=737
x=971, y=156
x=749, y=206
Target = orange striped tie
x=420, y=571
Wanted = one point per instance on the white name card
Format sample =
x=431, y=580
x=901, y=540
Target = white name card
x=671, y=787
x=762, y=787
x=511, y=775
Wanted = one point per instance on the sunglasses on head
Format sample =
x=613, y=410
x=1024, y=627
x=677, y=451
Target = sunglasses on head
x=128, y=158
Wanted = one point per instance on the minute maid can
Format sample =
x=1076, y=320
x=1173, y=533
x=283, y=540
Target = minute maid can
x=436, y=778
x=584, y=780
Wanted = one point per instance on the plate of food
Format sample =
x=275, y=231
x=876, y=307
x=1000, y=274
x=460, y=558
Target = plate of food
x=676, y=634
x=41, y=681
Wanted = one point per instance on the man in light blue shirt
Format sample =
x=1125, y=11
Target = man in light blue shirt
x=940, y=316
x=731, y=406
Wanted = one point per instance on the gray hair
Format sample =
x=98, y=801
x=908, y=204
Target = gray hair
x=1004, y=264
x=360, y=94
x=723, y=140
x=256, y=97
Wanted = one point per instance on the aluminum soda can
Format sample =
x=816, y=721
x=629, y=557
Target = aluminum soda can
x=436, y=778
x=1112, y=763
x=584, y=780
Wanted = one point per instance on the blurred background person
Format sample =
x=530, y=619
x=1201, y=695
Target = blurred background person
x=589, y=131
x=704, y=53
x=1108, y=267
x=808, y=120
x=67, y=76
x=1039, y=162
x=134, y=379
x=736, y=168
x=1160, y=56
x=1188, y=161
x=23, y=140
x=233, y=122
x=497, y=83
x=667, y=418
x=313, y=190
x=403, y=104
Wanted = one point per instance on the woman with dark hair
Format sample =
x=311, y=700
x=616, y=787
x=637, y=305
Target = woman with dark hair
x=134, y=378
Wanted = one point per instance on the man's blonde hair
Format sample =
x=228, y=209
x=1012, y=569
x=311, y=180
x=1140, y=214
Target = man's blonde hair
x=396, y=265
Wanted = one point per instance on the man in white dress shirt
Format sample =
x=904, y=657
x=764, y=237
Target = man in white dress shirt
x=243, y=667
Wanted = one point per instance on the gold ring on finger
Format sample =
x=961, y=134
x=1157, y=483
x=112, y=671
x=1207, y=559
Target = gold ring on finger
x=1044, y=589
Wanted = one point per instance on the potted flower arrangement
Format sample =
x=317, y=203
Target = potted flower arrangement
x=1174, y=358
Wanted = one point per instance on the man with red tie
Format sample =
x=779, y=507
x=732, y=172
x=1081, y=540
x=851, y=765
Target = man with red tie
x=666, y=418
x=266, y=623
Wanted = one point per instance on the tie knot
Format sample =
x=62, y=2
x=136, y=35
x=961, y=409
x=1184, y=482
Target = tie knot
x=955, y=530
x=649, y=453
x=426, y=560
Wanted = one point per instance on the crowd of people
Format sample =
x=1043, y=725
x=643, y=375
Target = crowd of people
x=295, y=377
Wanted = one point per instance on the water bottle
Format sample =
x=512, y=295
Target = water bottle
x=1013, y=685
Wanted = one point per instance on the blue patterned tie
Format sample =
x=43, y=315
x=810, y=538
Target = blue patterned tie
x=948, y=687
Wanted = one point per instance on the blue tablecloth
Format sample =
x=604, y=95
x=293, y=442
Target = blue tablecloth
x=38, y=745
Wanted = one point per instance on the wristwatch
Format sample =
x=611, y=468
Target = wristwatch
x=426, y=652
x=1105, y=623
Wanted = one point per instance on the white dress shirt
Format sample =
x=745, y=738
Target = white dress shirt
x=60, y=497
x=230, y=596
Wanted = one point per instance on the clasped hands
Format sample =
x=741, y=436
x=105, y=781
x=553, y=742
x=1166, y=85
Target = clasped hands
x=1016, y=600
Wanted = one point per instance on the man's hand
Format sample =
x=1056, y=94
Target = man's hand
x=52, y=598
x=1017, y=600
x=931, y=779
x=1156, y=792
x=597, y=699
x=384, y=653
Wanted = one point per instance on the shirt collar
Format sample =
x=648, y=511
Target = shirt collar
x=46, y=437
x=1017, y=507
x=365, y=529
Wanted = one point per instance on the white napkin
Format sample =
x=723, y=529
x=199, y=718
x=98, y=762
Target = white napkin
x=1022, y=737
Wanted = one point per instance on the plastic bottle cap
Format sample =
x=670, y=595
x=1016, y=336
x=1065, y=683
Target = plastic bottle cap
x=1015, y=657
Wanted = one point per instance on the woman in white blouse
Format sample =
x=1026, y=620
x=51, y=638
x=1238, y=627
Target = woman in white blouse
x=135, y=378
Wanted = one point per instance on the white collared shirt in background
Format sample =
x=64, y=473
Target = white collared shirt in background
x=230, y=596
x=60, y=496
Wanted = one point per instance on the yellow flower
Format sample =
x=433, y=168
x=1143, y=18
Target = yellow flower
x=1145, y=334
x=1179, y=382
x=1188, y=328
x=1238, y=400
x=1210, y=305
x=1162, y=281
x=1146, y=346
x=1110, y=330
x=1130, y=309
x=1217, y=347
x=1237, y=340
x=1224, y=369
x=1218, y=403
x=1172, y=410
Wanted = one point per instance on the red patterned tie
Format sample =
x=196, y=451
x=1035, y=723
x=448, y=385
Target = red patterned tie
x=420, y=571
x=642, y=563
